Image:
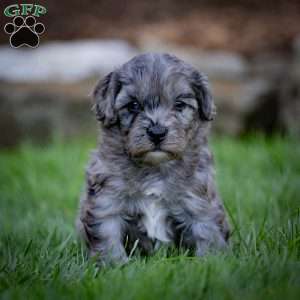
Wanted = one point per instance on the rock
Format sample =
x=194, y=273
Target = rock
x=44, y=92
x=10, y=131
x=290, y=104
x=236, y=101
x=289, y=94
x=296, y=48
x=28, y=112
x=63, y=61
x=215, y=64
x=269, y=66
x=218, y=65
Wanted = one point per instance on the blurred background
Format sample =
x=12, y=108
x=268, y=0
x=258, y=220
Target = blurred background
x=250, y=50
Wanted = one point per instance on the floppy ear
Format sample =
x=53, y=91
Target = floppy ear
x=207, y=109
x=104, y=96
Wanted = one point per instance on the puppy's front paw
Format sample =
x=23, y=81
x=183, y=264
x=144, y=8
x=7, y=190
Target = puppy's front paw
x=208, y=238
x=109, y=260
x=205, y=247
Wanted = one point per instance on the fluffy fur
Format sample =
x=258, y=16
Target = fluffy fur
x=152, y=193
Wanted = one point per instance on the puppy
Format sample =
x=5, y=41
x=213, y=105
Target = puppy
x=151, y=180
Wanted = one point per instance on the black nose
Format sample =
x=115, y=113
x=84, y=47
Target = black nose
x=157, y=133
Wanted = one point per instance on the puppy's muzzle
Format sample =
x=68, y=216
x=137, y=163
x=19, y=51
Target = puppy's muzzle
x=157, y=133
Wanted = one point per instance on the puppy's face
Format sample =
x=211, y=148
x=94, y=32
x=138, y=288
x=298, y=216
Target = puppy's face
x=157, y=102
x=157, y=118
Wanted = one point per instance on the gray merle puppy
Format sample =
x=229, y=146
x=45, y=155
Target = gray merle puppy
x=151, y=181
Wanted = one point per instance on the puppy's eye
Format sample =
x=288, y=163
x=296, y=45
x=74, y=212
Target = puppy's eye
x=180, y=106
x=134, y=106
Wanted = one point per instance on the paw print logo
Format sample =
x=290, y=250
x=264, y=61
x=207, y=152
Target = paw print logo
x=24, y=32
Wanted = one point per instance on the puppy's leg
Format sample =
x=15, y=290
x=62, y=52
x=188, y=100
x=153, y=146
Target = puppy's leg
x=206, y=236
x=110, y=245
x=104, y=237
x=102, y=228
x=201, y=224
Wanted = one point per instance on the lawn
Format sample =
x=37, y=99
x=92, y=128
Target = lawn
x=40, y=257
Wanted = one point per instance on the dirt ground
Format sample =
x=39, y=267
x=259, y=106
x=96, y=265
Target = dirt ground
x=247, y=27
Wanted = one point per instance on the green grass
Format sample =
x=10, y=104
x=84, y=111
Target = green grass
x=40, y=257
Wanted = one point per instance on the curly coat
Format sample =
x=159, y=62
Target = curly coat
x=139, y=191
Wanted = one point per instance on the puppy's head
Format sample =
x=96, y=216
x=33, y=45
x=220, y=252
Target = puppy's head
x=157, y=102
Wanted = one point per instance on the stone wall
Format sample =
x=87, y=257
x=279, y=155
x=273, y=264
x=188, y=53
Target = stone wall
x=45, y=91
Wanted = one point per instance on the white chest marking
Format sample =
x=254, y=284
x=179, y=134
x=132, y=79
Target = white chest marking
x=154, y=218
